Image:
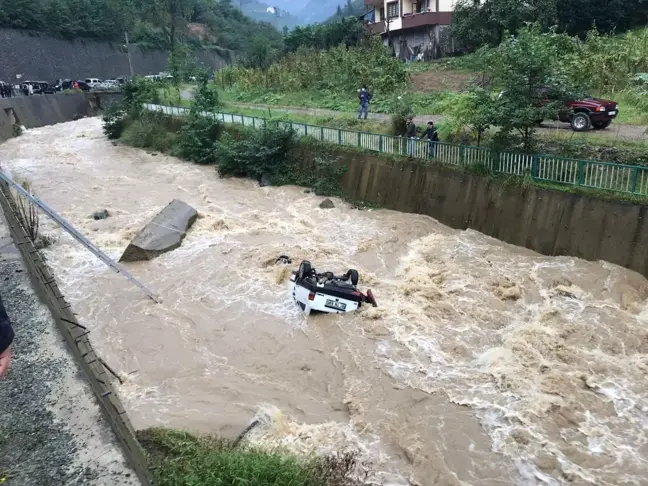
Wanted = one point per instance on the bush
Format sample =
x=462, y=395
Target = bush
x=114, y=121
x=152, y=130
x=262, y=153
x=198, y=138
x=401, y=110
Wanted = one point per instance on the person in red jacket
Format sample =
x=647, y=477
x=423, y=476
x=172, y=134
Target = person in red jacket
x=6, y=338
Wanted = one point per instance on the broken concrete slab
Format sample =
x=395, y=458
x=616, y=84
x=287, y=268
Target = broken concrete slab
x=163, y=234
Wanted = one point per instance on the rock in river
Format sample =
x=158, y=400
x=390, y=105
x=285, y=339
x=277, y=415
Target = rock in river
x=164, y=233
x=327, y=204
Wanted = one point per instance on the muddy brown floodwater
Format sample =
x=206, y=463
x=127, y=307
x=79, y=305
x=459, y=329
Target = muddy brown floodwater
x=484, y=364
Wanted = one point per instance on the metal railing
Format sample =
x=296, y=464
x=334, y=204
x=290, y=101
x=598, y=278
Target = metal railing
x=607, y=176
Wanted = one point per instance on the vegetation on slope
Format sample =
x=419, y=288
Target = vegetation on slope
x=151, y=23
x=180, y=459
x=488, y=22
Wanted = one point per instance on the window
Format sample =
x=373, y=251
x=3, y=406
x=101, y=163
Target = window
x=382, y=13
x=392, y=10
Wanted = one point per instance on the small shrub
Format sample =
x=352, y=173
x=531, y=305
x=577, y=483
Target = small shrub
x=400, y=109
x=114, y=121
x=197, y=139
x=153, y=131
x=264, y=152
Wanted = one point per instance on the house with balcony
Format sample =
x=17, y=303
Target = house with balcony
x=413, y=27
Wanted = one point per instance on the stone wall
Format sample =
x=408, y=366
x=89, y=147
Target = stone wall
x=549, y=222
x=44, y=58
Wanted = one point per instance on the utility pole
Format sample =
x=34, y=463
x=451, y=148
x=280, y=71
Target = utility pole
x=130, y=61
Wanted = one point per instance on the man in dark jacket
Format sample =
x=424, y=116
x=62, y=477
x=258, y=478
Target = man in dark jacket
x=6, y=338
x=433, y=137
x=365, y=98
x=410, y=133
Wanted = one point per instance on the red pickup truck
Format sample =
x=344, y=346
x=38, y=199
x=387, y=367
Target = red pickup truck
x=582, y=114
x=585, y=113
x=589, y=113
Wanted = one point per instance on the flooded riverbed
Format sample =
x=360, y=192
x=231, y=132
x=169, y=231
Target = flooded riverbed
x=484, y=364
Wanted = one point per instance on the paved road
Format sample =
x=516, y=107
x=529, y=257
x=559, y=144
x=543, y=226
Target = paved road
x=627, y=132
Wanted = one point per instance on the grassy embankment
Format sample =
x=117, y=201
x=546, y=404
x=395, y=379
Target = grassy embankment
x=181, y=459
x=330, y=79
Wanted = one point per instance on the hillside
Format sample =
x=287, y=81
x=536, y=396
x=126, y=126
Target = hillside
x=202, y=22
x=269, y=12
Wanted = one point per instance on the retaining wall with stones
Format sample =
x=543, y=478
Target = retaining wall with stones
x=76, y=337
x=39, y=57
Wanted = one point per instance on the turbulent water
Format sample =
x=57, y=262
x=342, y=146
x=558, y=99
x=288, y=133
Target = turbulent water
x=484, y=364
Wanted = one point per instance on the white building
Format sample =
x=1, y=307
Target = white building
x=413, y=26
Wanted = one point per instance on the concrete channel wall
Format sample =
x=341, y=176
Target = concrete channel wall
x=41, y=110
x=76, y=337
x=550, y=222
x=33, y=112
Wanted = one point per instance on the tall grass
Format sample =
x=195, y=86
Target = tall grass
x=181, y=459
x=338, y=69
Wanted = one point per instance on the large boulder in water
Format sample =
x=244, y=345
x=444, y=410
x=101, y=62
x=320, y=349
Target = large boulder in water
x=164, y=233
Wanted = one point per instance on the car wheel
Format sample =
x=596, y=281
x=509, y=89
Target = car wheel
x=602, y=125
x=353, y=276
x=580, y=122
x=305, y=269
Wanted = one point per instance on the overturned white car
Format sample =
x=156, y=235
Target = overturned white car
x=326, y=292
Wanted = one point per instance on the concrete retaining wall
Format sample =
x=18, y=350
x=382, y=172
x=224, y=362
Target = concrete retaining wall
x=43, y=58
x=76, y=337
x=549, y=222
x=41, y=110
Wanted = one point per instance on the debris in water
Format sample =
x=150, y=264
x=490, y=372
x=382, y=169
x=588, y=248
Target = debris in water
x=327, y=204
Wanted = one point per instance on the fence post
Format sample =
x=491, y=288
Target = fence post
x=581, y=172
x=339, y=137
x=359, y=141
x=462, y=155
x=535, y=167
x=322, y=134
x=305, y=129
x=254, y=122
x=291, y=127
x=242, y=121
x=380, y=143
x=635, y=179
x=496, y=162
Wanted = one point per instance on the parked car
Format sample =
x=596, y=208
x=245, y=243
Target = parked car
x=62, y=84
x=45, y=88
x=83, y=86
x=93, y=82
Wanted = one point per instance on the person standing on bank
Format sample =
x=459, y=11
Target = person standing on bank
x=365, y=97
x=433, y=137
x=6, y=339
x=410, y=133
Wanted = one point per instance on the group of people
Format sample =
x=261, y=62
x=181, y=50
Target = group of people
x=430, y=134
x=6, y=90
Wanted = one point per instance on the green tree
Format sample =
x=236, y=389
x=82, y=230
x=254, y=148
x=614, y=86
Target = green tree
x=523, y=69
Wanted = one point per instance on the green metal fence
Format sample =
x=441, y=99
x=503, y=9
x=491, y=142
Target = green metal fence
x=548, y=168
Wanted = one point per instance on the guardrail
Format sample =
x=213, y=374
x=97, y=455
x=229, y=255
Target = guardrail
x=607, y=176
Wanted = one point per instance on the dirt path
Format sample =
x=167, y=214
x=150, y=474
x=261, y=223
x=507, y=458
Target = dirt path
x=626, y=132
x=52, y=431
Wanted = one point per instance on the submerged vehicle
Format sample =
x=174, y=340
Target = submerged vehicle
x=326, y=292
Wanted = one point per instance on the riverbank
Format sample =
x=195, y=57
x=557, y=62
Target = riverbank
x=52, y=431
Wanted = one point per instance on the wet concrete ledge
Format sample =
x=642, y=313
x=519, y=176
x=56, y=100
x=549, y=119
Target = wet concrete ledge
x=76, y=337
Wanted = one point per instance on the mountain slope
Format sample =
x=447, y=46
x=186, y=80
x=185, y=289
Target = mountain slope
x=270, y=12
